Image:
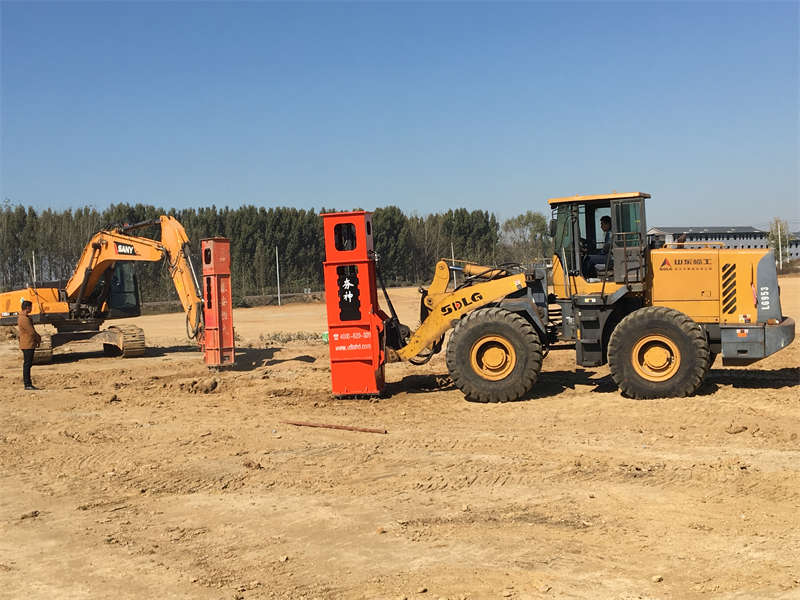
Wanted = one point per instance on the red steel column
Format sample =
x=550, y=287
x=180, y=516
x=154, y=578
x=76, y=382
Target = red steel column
x=218, y=305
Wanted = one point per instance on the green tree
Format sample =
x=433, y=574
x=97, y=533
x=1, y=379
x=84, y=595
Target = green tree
x=526, y=237
x=392, y=242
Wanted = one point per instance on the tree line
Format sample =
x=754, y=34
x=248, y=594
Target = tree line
x=50, y=242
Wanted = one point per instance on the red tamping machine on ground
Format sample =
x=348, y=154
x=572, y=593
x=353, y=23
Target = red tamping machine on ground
x=218, y=334
x=356, y=324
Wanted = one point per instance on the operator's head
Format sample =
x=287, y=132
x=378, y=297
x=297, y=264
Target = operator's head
x=605, y=223
x=27, y=306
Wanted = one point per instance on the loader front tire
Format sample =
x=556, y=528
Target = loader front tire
x=658, y=352
x=494, y=355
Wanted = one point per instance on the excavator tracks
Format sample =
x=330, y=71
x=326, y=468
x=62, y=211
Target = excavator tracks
x=131, y=340
x=43, y=354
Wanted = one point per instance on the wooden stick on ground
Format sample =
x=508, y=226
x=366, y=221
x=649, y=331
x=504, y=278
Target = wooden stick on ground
x=345, y=427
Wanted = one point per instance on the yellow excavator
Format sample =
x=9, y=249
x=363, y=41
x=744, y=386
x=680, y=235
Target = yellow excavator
x=104, y=286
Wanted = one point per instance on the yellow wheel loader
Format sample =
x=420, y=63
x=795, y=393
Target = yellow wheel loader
x=104, y=286
x=656, y=316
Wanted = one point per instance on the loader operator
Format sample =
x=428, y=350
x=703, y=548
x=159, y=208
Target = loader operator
x=601, y=256
x=605, y=225
x=28, y=341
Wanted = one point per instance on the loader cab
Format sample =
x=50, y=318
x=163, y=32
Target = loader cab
x=588, y=259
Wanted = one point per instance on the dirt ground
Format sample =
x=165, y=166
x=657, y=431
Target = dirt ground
x=154, y=478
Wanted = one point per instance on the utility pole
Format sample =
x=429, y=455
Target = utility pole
x=278, y=273
x=780, y=249
x=33, y=254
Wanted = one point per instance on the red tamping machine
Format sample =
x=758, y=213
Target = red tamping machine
x=356, y=324
x=218, y=343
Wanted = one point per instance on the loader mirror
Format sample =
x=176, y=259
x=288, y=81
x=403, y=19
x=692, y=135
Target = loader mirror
x=553, y=224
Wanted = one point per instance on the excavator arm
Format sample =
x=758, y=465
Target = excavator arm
x=110, y=246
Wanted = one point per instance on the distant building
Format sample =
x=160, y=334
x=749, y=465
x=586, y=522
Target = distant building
x=732, y=237
x=794, y=246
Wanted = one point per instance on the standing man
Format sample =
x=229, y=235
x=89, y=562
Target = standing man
x=28, y=341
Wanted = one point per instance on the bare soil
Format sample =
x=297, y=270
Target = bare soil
x=155, y=478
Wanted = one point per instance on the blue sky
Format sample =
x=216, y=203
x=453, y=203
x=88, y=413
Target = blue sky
x=426, y=106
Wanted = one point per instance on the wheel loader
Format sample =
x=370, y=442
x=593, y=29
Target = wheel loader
x=104, y=286
x=657, y=316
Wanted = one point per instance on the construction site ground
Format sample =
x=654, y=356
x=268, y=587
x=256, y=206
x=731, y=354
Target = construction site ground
x=155, y=478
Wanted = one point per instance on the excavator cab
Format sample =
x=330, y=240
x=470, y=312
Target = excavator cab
x=124, y=299
x=116, y=295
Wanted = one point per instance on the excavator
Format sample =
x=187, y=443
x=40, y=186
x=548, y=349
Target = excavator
x=104, y=286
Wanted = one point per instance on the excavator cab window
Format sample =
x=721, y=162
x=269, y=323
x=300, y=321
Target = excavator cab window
x=123, y=301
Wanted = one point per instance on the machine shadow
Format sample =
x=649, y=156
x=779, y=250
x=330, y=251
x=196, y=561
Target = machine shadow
x=150, y=352
x=158, y=351
x=420, y=384
x=71, y=357
x=755, y=379
x=249, y=359
x=551, y=383
x=305, y=358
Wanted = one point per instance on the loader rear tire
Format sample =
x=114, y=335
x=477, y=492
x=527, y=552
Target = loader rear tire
x=658, y=352
x=494, y=355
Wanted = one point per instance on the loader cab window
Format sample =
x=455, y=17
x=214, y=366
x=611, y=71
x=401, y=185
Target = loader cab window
x=600, y=215
x=563, y=242
x=580, y=239
x=595, y=248
x=630, y=241
x=344, y=236
x=628, y=224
